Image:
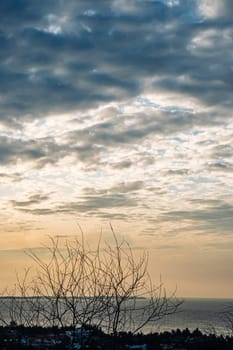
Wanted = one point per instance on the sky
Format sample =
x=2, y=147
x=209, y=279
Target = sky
x=120, y=111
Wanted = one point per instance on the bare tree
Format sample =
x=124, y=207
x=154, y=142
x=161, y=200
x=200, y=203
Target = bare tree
x=66, y=284
x=133, y=300
x=107, y=287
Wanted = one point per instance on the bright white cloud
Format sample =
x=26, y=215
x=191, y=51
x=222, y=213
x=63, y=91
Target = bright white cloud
x=211, y=8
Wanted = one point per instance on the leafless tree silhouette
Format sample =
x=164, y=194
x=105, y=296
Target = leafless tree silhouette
x=75, y=285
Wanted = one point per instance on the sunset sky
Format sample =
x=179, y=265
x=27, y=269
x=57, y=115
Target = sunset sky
x=120, y=111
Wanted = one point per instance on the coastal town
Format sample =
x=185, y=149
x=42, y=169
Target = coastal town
x=15, y=337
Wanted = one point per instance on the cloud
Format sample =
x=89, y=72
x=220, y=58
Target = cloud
x=32, y=200
x=222, y=151
x=216, y=218
x=213, y=8
x=15, y=177
x=179, y=172
x=121, y=195
x=123, y=187
x=93, y=201
x=121, y=108
x=18, y=226
x=122, y=165
x=66, y=56
x=42, y=151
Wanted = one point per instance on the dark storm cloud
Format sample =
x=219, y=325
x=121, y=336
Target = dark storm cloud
x=62, y=55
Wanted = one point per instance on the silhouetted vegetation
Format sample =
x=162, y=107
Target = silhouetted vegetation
x=27, y=338
x=76, y=285
x=81, y=298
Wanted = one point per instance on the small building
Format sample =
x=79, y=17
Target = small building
x=137, y=347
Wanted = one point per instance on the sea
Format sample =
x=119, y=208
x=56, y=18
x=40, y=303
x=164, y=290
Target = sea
x=205, y=314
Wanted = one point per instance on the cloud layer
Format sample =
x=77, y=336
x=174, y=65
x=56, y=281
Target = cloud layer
x=118, y=110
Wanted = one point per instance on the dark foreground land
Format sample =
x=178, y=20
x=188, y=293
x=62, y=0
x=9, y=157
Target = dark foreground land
x=20, y=337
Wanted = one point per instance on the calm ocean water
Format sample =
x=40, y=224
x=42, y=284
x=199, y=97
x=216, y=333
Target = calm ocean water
x=204, y=314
